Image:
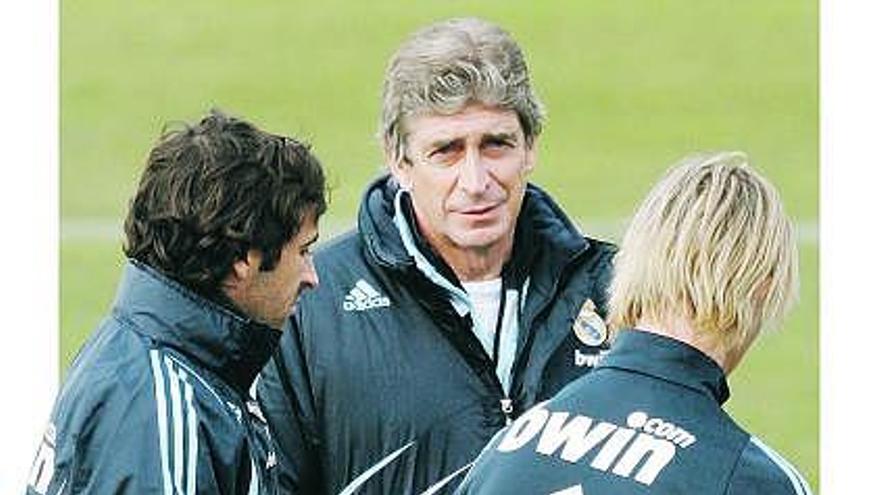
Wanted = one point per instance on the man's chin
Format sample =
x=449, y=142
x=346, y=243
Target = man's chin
x=480, y=238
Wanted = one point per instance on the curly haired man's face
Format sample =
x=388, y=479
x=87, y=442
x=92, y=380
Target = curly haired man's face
x=269, y=296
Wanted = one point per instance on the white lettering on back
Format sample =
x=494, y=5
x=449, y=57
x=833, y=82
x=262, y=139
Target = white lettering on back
x=621, y=449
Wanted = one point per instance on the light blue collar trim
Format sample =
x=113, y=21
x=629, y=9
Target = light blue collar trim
x=459, y=299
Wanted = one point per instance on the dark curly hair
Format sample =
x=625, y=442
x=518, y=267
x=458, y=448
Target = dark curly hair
x=213, y=191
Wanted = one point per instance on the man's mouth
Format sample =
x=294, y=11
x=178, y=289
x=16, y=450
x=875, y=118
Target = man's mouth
x=478, y=210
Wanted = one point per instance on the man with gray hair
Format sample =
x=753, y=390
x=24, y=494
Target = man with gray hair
x=464, y=297
x=709, y=260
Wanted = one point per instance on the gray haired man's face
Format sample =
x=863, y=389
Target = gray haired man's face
x=467, y=175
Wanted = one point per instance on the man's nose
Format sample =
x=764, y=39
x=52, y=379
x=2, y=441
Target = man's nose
x=473, y=176
x=310, y=277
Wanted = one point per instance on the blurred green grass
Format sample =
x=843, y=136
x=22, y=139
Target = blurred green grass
x=630, y=86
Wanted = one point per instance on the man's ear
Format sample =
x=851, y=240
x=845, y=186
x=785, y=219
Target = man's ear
x=244, y=268
x=397, y=166
x=531, y=157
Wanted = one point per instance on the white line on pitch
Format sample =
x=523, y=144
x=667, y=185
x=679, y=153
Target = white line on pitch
x=110, y=230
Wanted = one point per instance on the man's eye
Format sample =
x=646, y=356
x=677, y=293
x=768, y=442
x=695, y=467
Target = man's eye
x=498, y=143
x=445, y=150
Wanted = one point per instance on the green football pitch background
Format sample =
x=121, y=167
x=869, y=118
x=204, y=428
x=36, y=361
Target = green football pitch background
x=630, y=86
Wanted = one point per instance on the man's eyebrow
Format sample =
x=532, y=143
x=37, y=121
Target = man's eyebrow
x=504, y=136
x=441, y=142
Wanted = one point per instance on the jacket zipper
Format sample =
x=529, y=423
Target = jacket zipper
x=468, y=345
x=505, y=401
x=516, y=370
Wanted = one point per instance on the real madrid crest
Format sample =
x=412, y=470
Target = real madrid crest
x=589, y=327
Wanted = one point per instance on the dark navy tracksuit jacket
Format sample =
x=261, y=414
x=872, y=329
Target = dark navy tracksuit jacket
x=648, y=419
x=157, y=401
x=380, y=385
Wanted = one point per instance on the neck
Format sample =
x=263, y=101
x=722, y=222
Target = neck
x=682, y=330
x=475, y=263
x=469, y=264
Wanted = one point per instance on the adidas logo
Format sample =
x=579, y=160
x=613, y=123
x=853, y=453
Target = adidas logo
x=363, y=296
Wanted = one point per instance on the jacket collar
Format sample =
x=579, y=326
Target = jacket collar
x=545, y=239
x=234, y=347
x=668, y=359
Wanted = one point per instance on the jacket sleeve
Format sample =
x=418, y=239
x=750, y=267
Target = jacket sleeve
x=101, y=439
x=762, y=471
x=139, y=433
x=285, y=395
x=474, y=480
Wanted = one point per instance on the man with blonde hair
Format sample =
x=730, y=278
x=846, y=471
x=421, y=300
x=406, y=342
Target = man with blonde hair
x=709, y=260
x=464, y=297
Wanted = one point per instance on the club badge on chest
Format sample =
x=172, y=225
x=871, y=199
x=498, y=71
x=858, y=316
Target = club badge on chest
x=588, y=326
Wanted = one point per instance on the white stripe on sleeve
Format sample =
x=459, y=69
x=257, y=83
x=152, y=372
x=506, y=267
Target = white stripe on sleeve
x=254, y=488
x=797, y=481
x=177, y=419
x=162, y=419
x=352, y=487
x=572, y=490
x=192, y=442
x=436, y=487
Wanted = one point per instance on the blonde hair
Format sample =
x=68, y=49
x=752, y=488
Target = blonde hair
x=710, y=244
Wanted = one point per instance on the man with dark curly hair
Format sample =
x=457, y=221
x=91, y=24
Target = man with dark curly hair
x=218, y=240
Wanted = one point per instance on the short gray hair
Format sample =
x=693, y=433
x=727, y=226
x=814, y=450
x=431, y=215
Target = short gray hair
x=450, y=64
x=710, y=244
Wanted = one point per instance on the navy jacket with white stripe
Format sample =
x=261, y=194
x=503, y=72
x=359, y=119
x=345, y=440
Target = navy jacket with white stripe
x=648, y=419
x=157, y=400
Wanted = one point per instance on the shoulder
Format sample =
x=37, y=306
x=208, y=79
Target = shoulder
x=337, y=261
x=105, y=411
x=601, y=246
x=761, y=470
x=600, y=253
x=352, y=280
x=590, y=275
x=121, y=380
x=182, y=389
x=338, y=248
x=498, y=471
x=112, y=368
